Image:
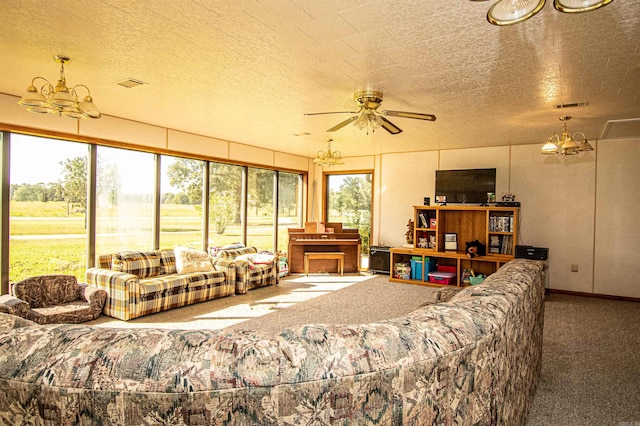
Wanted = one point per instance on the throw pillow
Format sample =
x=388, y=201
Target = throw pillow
x=191, y=260
x=257, y=258
x=232, y=246
x=142, y=264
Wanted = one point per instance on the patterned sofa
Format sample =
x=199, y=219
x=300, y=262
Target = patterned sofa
x=143, y=282
x=253, y=269
x=474, y=360
x=48, y=299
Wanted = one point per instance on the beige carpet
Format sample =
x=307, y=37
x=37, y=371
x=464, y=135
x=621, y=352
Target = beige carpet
x=297, y=300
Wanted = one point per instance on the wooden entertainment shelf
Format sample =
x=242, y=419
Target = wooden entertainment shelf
x=495, y=227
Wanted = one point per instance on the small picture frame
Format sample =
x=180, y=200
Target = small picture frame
x=451, y=241
x=433, y=223
x=441, y=199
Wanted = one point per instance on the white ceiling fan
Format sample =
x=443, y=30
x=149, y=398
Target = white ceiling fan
x=368, y=117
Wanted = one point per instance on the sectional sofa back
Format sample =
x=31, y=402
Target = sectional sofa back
x=233, y=253
x=472, y=360
x=144, y=264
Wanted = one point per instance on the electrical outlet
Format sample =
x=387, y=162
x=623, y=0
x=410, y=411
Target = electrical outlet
x=574, y=267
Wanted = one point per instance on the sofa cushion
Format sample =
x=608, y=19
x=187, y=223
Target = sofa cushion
x=233, y=253
x=202, y=279
x=167, y=261
x=163, y=284
x=190, y=260
x=258, y=258
x=139, y=263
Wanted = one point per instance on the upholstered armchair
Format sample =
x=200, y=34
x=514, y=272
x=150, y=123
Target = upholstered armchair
x=253, y=269
x=50, y=299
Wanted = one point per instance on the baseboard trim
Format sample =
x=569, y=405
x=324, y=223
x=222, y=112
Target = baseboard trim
x=596, y=295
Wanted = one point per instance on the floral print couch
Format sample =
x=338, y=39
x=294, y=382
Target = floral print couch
x=474, y=360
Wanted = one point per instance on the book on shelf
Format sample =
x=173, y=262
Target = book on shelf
x=494, y=244
x=507, y=244
x=424, y=221
x=501, y=223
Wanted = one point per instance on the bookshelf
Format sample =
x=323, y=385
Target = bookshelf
x=495, y=227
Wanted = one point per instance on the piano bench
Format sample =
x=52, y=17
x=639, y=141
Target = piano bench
x=324, y=255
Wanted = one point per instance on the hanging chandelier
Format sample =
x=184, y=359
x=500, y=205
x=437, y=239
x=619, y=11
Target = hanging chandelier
x=60, y=99
x=328, y=158
x=508, y=12
x=565, y=144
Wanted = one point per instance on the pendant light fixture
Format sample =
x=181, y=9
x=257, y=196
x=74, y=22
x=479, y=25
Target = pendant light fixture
x=565, y=144
x=509, y=12
x=60, y=99
x=579, y=6
x=328, y=158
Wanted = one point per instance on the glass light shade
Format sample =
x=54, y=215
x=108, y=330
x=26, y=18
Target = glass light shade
x=62, y=98
x=549, y=148
x=585, y=146
x=73, y=112
x=89, y=108
x=569, y=146
x=508, y=12
x=41, y=109
x=32, y=98
x=578, y=6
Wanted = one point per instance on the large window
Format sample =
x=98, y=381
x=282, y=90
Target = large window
x=48, y=207
x=349, y=202
x=260, y=214
x=289, y=206
x=181, y=216
x=124, y=200
x=225, y=201
x=51, y=216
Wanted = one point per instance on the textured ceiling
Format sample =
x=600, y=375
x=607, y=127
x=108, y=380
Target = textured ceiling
x=248, y=70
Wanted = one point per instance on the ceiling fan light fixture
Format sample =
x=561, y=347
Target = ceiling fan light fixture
x=508, y=12
x=579, y=6
x=369, y=118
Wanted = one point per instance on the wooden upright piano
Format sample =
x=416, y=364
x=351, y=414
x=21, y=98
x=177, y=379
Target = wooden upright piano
x=327, y=237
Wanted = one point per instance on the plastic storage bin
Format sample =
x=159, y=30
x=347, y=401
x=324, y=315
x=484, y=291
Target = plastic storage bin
x=443, y=275
x=416, y=269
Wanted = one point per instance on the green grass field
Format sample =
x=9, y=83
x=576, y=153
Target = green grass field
x=45, y=240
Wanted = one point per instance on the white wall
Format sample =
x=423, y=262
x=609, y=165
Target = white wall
x=583, y=208
x=144, y=135
x=617, y=238
x=557, y=195
x=404, y=180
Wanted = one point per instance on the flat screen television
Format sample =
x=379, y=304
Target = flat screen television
x=465, y=186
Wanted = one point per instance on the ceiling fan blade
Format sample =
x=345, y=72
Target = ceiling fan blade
x=333, y=112
x=416, y=115
x=389, y=126
x=344, y=123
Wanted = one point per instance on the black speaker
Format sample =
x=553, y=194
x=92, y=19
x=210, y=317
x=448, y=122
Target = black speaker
x=379, y=259
x=530, y=252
